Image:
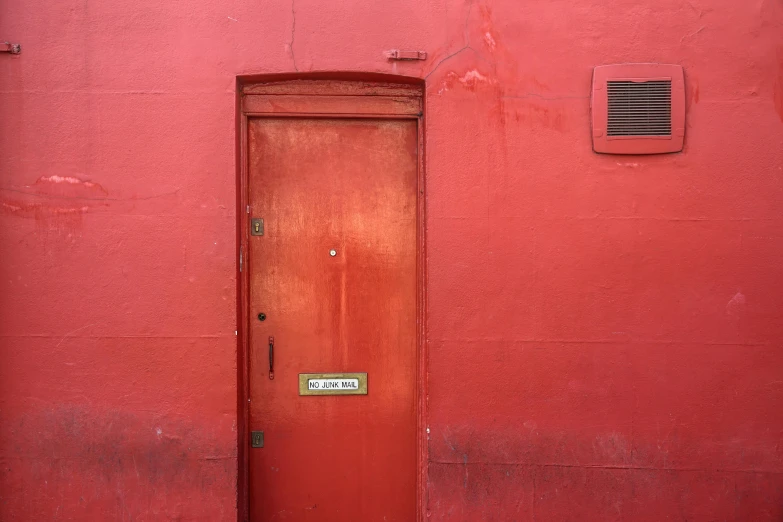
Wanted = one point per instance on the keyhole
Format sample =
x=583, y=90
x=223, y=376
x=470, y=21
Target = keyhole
x=257, y=227
x=262, y=317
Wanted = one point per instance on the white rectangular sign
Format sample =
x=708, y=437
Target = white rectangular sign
x=333, y=384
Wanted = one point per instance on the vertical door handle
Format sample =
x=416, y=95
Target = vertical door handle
x=271, y=358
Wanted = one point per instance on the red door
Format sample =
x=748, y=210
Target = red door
x=333, y=282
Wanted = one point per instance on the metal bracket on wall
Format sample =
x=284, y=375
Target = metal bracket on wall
x=396, y=54
x=12, y=48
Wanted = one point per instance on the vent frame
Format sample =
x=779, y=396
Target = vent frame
x=637, y=144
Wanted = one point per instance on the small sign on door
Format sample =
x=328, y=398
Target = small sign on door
x=332, y=384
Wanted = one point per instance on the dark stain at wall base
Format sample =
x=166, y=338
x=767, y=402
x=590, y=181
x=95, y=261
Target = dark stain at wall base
x=114, y=465
x=539, y=475
x=496, y=491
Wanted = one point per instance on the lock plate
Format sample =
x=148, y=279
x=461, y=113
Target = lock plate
x=256, y=227
x=256, y=439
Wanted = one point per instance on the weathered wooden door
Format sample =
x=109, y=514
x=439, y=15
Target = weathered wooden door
x=332, y=290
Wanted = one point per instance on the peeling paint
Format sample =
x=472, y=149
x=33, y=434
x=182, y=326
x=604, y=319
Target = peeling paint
x=66, y=179
x=490, y=41
x=470, y=80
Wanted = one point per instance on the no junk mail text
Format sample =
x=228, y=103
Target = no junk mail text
x=332, y=384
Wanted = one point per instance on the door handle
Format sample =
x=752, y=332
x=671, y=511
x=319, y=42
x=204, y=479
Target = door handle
x=271, y=358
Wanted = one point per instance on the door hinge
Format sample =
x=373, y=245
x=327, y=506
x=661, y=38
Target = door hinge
x=12, y=48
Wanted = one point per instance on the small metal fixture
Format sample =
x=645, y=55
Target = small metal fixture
x=262, y=316
x=12, y=48
x=396, y=54
x=333, y=253
x=256, y=439
x=256, y=227
x=271, y=358
x=638, y=108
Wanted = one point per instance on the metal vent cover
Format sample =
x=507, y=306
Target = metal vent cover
x=638, y=108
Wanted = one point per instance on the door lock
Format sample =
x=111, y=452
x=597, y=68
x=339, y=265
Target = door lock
x=256, y=227
x=256, y=439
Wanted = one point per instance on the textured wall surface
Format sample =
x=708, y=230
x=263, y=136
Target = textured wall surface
x=605, y=332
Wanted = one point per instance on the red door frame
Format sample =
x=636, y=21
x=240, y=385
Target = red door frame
x=327, y=96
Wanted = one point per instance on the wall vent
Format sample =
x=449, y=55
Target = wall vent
x=638, y=108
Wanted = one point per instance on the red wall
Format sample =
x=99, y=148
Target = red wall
x=605, y=332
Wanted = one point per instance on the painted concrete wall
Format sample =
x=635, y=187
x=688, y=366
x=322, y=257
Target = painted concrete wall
x=606, y=333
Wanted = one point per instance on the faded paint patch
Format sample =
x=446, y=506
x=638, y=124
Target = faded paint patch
x=490, y=41
x=736, y=304
x=540, y=115
x=692, y=89
x=66, y=179
x=470, y=80
x=54, y=201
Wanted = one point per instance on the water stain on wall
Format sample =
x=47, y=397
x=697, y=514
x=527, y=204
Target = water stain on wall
x=114, y=464
x=54, y=200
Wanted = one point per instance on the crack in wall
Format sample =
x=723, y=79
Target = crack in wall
x=467, y=45
x=293, y=34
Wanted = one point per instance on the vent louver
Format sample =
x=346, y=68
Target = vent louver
x=639, y=108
